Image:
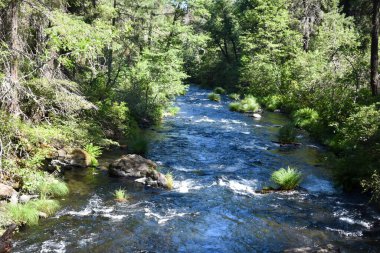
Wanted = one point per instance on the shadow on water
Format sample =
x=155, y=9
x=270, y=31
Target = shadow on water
x=219, y=158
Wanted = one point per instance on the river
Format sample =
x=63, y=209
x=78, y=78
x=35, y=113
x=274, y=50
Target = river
x=218, y=158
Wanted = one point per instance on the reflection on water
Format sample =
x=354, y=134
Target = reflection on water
x=219, y=159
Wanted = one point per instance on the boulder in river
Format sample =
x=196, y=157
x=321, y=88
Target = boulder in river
x=139, y=168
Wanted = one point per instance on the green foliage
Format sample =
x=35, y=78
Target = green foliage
x=360, y=128
x=372, y=185
x=169, y=180
x=306, y=118
x=214, y=97
x=272, y=102
x=287, y=134
x=234, y=96
x=287, y=179
x=219, y=90
x=114, y=117
x=94, y=152
x=173, y=110
x=120, y=195
x=23, y=214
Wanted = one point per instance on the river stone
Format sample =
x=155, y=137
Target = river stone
x=7, y=191
x=141, y=169
x=256, y=115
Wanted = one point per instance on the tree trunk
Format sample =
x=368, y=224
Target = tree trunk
x=110, y=54
x=375, y=47
x=15, y=48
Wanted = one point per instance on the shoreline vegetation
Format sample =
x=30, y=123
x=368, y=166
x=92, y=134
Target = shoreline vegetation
x=77, y=77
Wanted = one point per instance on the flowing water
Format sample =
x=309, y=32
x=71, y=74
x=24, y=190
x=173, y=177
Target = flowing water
x=218, y=158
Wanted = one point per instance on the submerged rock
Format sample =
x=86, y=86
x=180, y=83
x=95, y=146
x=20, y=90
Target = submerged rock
x=6, y=239
x=140, y=168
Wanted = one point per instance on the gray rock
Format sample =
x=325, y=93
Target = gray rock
x=135, y=166
x=26, y=198
x=256, y=115
x=132, y=166
x=7, y=191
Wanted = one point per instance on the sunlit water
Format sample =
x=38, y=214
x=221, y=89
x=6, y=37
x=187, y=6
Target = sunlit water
x=219, y=159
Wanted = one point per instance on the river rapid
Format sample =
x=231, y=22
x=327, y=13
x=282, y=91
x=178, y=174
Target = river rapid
x=219, y=159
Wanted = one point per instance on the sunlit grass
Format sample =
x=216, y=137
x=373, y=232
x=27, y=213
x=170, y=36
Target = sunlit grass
x=169, y=180
x=287, y=179
x=214, y=97
x=47, y=206
x=22, y=214
x=52, y=187
x=120, y=195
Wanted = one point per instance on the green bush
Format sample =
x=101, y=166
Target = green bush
x=214, y=97
x=361, y=127
x=287, y=179
x=272, y=102
x=173, y=110
x=306, y=118
x=372, y=185
x=287, y=134
x=94, y=152
x=219, y=90
x=234, y=96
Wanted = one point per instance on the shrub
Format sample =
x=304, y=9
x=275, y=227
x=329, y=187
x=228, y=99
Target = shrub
x=219, y=90
x=306, y=118
x=360, y=127
x=214, y=97
x=47, y=206
x=94, y=152
x=137, y=141
x=272, y=102
x=120, y=195
x=169, y=180
x=234, y=96
x=287, y=179
x=287, y=134
x=23, y=214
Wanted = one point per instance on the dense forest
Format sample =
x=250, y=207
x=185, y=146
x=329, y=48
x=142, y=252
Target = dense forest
x=92, y=74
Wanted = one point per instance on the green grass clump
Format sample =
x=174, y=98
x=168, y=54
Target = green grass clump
x=234, y=106
x=23, y=214
x=94, y=152
x=248, y=104
x=169, y=180
x=219, y=90
x=305, y=118
x=287, y=179
x=120, y=195
x=287, y=134
x=47, y=206
x=52, y=187
x=214, y=97
x=272, y=102
x=234, y=96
